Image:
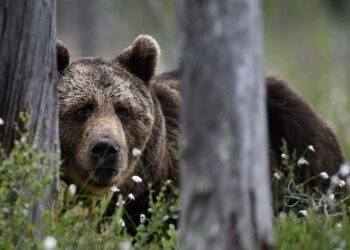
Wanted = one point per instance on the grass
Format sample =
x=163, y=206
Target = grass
x=315, y=232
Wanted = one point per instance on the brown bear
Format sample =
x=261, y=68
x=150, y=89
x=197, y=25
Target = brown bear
x=117, y=120
x=115, y=123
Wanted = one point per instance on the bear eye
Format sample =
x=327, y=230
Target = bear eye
x=123, y=113
x=83, y=113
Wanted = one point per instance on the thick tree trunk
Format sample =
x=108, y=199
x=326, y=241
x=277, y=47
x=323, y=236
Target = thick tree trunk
x=28, y=78
x=225, y=188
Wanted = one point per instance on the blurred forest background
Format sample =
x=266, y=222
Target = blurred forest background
x=306, y=43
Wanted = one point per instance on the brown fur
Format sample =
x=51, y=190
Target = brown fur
x=292, y=119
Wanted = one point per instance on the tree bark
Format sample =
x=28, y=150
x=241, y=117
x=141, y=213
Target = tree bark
x=224, y=180
x=28, y=81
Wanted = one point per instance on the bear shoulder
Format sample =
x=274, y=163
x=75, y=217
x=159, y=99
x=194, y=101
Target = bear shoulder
x=292, y=119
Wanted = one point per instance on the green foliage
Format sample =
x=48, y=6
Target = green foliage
x=160, y=228
x=18, y=173
x=315, y=232
x=309, y=218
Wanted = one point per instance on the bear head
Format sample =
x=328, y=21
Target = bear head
x=106, y=114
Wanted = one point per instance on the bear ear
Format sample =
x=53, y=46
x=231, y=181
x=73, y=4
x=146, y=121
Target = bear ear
x=141, y=57
x=62, y=56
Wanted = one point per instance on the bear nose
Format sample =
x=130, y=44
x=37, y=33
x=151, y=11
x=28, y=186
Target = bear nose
x=105, y=149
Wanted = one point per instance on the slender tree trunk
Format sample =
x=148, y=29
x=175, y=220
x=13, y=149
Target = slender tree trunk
x=28, y=79
x=225, y=189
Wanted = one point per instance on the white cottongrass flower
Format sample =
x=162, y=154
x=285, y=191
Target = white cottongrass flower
x=1, y=122
x=136, y=179
x=338, y=225
x=277, y=176
x=25, y=212
x=303, y=213
x=324, y=175
x=120, y=203
x=136, y=152
x=142, y=218
x=122, y=223
x=165, y=217
x=341, y=183
x=283, y=156
x=125, y=245
x=72, y=189
x=344, y=169
x=334, y=180
x=49, y=243
x=331, y=197
x=131, y=197
x=282, y=215
x=302, y=161
x=311, y=148
x=115, y=189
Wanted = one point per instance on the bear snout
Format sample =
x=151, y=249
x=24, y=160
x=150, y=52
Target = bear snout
x=105, y=153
